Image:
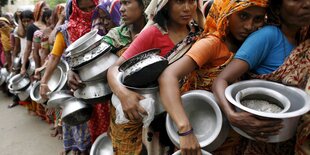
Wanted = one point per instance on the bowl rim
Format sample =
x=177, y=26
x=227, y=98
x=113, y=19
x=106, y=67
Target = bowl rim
x=209, y=98
x=295, y=113
x=76, y=45
x=97, y=141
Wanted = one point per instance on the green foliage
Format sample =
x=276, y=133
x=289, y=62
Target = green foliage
x=3, y=2
x=52, y=3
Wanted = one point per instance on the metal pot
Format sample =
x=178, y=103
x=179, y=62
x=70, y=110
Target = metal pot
x=75, y=111
x=65, y=68
x=17, y=63
x=143, y=69
x=56, y=78
x=149, y=92
x=300, y=104
x=35, y=93
x=58, y=97
x=25, y=94
x=84, y=43
x=19, y=82
x=209, y=124
x=97, y=68
x=102, y=146
x=269, y=95
x=4, y=72
x=93, y=89
x=31, y=66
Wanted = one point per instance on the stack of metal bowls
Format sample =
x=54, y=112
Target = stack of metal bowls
x=91, y=58
x=295, y=102
x=210, y=125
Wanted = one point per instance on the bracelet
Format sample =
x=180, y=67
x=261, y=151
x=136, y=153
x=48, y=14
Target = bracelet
x=43, y=84
x=186, y=133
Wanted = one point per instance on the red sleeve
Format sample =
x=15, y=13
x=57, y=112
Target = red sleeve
x=143, y=42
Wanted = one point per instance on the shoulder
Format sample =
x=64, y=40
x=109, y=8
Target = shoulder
x=267, y=31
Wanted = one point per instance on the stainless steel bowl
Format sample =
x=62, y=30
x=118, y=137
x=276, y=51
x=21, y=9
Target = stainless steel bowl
x=19, y=82
x=300, y=104
x=17, y=63
x=102, y=146
x=265, y=94
x=203, y=152
x=97, y=68
x=31, y=66
x=35, y=93
x=57, y=98
x=75, y=111
x=4, y=72
x=83, y=43
x=93, y=89
x=56, y=78
x=210, y=126
x=65, y=68
x=25, y=94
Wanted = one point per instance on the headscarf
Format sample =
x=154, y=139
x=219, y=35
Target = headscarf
x=216, y=22
x=5, y=34
x=79, y=21
x=37, y=10
x=111, y=8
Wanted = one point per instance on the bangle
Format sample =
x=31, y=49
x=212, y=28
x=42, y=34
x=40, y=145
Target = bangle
x=43, y=84
x=186, y=133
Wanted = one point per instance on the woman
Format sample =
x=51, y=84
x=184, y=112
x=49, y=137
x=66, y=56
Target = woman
x=228, y=24
x=38, y=24
x=170, y=32
x=277, y=53
x=76, y=138
x=5, y=30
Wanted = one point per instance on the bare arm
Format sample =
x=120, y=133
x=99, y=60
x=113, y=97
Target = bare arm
x=171, y=99
x=16, y=49
x=21, y=32
x=128, y=99
x=26, y=56
x=35, y=54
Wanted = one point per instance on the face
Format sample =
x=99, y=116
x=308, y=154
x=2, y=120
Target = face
x=181, y=11
x=26, y=22
x=295, y=12
x=3, y=24
x=131, y=11
x=244, y=22
x=86, y=5
x=107, y=21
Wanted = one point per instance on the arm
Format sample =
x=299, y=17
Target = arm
x=16, y=49
x=171, y=99
x=35, y=52
x=26, y=56
x=21, y=32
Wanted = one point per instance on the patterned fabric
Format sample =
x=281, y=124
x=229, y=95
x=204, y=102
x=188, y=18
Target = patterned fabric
x=111, y=9
x=5, y=34
x=37, y=10
x=216, y=22
x=295, y=71
x=79, y=21
x=203, y=78
x=118, y=37
x=99, y=121
x=76, y=138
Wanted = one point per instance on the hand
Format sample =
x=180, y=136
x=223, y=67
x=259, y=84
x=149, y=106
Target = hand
x=44, y=90
x=23, y=70
x=189, y=145
x=131, y=106
x=255, y=126
x=74, y=81
x=37, y=73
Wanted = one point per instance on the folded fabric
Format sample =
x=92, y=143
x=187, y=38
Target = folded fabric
x=147, y=104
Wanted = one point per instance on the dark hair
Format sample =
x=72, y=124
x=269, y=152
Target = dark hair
x=15, y=17
x=27, y=14
x=162, y=17
x=140, y=2
x=46, y=14
x=273, y=12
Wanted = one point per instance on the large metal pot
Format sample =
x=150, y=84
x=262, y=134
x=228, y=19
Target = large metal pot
x=209, y=124
x=300, y=104
x=149, y=92
x=57, y=98
x=84, y=43
x=75, y=111
x=97, y=68
x=56, y=78
x=102, y=146
x=35, y=93
x=143, y=69
x=93, y=89
x=25, y=94
x=18, y=82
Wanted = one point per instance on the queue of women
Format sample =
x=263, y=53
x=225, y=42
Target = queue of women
x=264, y=39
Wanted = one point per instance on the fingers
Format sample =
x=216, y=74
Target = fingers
x=74, y=81
x=141, y=110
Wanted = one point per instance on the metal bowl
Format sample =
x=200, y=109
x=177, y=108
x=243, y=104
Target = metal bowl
x=25, y=94
x=75, y=111
x=17, y=63
x=210, y=126
x=35, y=93
x=102, y=146
x=203, y=152
x=264, y=94
x=56, y=78
x=65, y=68
x=93, y=89
x=31, y=66
x=19, y=82
x=4, y=72
x=97, y=68
x=83, y=43
x=300, y=104
x=58, y=97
